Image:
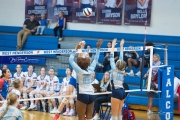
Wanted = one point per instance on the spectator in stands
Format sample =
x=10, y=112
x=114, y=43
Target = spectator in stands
x=93, y=79
x=43, y=24
x=154, y=82
x=9, y=111
x=146, y=60
x=130, y=59
x=29, y=28
x=105, y=86
x=176, y=85
x=4, y=85
x=61, y=24
x=107, y=57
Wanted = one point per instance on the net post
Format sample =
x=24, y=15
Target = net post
x=166, y=54
x=166, y=100
x=150, y=68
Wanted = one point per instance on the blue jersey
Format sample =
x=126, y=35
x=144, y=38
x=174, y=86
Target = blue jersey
x=43, y=22
x=61, y=22
x=4, y=89
x=84, y=77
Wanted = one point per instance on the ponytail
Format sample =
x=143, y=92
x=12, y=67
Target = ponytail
x=8, y=103
x=11, y=99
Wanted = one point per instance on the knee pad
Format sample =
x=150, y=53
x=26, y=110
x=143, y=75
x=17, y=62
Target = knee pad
x=65, y=101
x=53, y=100
x=71, y=101
x=60, y=99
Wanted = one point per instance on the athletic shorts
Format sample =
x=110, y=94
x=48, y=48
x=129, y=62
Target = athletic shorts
x=146, y=63
x=118, y=94
x=84, y=98
x=151, y=94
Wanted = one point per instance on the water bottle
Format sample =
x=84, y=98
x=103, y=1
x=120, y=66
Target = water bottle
x=144, y=83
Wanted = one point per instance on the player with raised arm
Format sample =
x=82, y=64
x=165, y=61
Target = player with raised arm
x=83, y=69
x=117, y=79
x=29, y=84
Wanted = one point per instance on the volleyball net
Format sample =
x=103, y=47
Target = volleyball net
x=59, y=61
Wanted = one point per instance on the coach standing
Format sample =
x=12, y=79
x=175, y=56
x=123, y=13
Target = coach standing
x=29, y=28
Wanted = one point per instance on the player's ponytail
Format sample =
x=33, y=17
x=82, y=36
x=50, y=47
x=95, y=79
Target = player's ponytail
x=11, y=99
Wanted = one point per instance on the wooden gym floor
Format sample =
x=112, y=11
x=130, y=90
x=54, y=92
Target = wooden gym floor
x=34, y=115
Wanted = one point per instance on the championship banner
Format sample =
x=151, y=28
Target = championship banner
x=55, y=6
x=137, y=12
x=22, y=60
x=78, y=7
x=36, y=6
x=110, y=12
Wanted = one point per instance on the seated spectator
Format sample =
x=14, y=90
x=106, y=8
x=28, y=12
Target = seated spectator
x=146, y=60
x=156, y=62
x=61, y=24
x=93, y=79
x=106, y=86
x=9, y=111
x=107, y=57
x=29, y=28
x=176, y=85
x=130, y=59
x=43, y=24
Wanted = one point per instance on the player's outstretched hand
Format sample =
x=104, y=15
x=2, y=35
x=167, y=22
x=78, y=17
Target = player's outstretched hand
x=99, y=43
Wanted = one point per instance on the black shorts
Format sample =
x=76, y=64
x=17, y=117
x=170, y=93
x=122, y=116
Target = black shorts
x=146, y=63
x=118, y=94
x=152, y=87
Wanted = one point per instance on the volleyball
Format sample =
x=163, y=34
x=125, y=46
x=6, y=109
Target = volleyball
x=87, y=12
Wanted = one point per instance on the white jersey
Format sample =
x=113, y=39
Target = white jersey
x=65, y=84
x=53, y=84
x=60, y=2
x=41, y=81
x=85, y=1
x=17, y=92
x=19, y=76
x=110, y=3
x=118, y=78
x=37, y=2
x=176, y=84
x=29, y=79
x=144, y=6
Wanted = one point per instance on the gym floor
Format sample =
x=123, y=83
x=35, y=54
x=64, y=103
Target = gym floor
x=34, y=115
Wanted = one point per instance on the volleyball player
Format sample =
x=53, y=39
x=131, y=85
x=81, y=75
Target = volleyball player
x=142, y=4
x=117, y=77
x=29, y=84
x=52, y=88
x=41, y=85
x=112, y=4
x=4, y=85
x=19, y=74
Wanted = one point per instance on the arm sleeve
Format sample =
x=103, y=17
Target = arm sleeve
x=95, y=61
x=112, y=62
x=73, y=64
x=121, y=54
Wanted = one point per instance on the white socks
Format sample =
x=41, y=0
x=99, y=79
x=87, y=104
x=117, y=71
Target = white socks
x=120, y=117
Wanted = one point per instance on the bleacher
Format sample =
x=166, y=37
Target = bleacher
x=8, y=36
